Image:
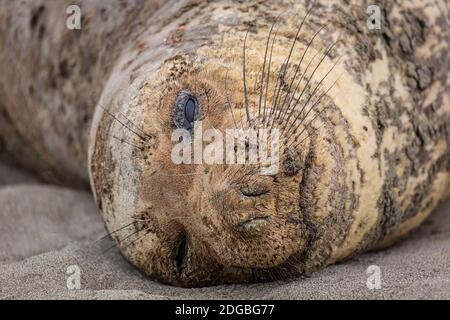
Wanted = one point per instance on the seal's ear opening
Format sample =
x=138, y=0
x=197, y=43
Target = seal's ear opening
x=181, y=253
x=186, y=110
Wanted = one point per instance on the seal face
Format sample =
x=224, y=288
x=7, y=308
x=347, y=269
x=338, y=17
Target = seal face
x=202, y=223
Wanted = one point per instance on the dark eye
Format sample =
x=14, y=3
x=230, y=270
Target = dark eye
x=189, y=111
x=186, y=110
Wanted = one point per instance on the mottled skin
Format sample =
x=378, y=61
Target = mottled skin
x=375, y=163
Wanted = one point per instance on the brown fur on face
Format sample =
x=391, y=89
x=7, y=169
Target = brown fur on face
x=205, y=224
x=210, y=210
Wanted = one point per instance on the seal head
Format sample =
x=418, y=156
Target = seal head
x=200, y=222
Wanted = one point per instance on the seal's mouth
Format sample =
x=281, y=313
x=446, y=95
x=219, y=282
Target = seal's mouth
x=254, y=222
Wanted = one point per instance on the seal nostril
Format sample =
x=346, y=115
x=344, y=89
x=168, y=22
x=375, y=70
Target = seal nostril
x=254, y=192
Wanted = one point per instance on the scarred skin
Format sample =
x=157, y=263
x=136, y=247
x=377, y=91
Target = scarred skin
x=371, y=166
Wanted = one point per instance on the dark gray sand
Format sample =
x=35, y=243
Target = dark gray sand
x=46, y=229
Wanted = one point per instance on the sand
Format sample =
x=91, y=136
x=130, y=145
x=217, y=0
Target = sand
x=46, y=229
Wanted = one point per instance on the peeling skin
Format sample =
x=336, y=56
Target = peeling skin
x=372, y=166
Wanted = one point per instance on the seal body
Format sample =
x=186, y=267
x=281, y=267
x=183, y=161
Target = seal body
x=367, y=162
